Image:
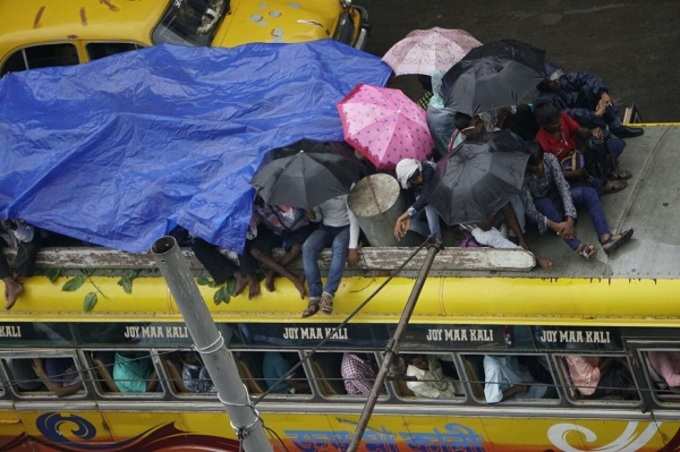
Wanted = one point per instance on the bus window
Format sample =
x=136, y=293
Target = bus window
x=664, y=372
x=419, y=376
x=124, y=372
x=592, y=377
x=97, y=50
x=187, y=374
x=344, y=374
x=44, y=376
x=260, y=372
x=498, y=378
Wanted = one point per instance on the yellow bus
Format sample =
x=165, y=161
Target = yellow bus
x=595, y=346
x=46, y=33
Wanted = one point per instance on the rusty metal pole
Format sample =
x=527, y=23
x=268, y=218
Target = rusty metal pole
x=393, y=348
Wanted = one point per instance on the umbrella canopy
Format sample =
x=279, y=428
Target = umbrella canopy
x=429, y=51
x=479, y=179
x=305, y=175
x=384, y=126
x=487, y=84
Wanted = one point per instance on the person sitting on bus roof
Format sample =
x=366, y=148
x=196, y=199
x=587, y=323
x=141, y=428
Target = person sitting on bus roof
x=597, y=163
x=222, y=268
x=134, y=372
x=664, y=366
x=551, y=204
x=23, y=238
x=279, y=227
x=426, y=378
x=597, y=377
x=59, y=375
x=340, y=230
x=505, y=377
x=357, y=374
x=418, y=178
x=586, y=98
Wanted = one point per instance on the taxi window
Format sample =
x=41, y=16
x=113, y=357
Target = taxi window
x=15, y=63
x=97, y=50
x=190, y=22
x=51, y=55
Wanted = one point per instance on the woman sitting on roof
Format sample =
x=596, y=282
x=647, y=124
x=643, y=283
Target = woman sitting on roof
x=551, y=203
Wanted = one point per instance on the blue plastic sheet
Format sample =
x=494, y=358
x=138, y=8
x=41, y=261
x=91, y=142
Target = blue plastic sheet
x=120, y=151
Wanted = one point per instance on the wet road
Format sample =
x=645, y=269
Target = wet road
x=634, y=45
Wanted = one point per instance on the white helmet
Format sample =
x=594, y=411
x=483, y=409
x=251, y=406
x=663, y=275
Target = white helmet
x=405, y=169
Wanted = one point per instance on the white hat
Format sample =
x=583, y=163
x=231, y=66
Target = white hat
x=405, y=169
x=555, y=75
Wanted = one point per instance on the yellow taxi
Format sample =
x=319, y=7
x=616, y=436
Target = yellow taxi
x=41, y=33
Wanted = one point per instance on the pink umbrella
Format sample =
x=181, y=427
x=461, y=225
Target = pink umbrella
x=384, y=125
x=429, y=51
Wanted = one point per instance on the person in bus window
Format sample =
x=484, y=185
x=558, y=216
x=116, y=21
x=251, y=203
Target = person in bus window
x=59, y=375
x=357, y=374
x=193, y=376
x=426, y=379
x=665, y=367
x=597, y=377
x=274, y=367
x=134, y=372
x=505, y=378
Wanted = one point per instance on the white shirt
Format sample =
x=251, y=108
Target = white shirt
x=336, y=213
x=503, y=372
x=436, y=384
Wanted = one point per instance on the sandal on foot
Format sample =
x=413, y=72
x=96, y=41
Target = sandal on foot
x=326, y=303
x=586, y=251
x=312, y=308
x=621, y=175
x=614, y=186
x=616, y=240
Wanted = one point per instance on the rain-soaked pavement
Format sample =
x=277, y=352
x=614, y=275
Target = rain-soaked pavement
x=633, y=44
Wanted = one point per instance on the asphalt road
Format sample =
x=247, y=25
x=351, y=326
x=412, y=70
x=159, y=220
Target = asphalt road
x=634, y=45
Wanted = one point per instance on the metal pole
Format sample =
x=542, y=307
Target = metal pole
x=210, y=344
x=393, y=348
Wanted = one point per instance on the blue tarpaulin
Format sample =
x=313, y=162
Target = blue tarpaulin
x=119, y=151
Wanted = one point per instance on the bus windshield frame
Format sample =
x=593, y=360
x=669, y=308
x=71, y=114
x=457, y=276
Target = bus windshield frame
x=190, y=22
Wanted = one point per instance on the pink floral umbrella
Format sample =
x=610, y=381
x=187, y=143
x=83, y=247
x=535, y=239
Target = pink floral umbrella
x=384, y=126
x=429, y=51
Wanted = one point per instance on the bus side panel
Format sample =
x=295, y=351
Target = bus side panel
x=47, y=427
x=533, y=434
x=11, y=427
x=132, y=424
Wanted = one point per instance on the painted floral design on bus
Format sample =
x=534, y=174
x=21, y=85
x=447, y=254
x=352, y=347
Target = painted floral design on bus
x=454, y=438
x=631, y=440
x=158, y=439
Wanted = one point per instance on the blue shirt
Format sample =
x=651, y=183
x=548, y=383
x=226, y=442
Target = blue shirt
x=275, y=366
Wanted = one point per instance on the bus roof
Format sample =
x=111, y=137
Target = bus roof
x=637, y=286
x=33, y=22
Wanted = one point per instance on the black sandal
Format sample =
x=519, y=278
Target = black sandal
x=312, y=308
x=616, y=240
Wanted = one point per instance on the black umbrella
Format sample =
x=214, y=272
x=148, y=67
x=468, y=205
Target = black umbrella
x=306, y=174
x=507, y=49
x=479, y=179
x=489, y=83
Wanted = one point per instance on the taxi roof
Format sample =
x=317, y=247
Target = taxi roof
x=38, y=21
